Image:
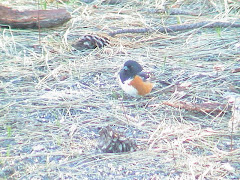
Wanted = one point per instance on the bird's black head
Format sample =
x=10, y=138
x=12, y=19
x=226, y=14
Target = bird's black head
x=131, y=68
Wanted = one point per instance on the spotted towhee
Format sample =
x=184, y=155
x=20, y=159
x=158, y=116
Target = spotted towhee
x=133, y=81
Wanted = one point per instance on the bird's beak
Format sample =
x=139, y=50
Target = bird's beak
x=125, y=68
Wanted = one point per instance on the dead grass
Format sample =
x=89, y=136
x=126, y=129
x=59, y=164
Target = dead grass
x=54, y=99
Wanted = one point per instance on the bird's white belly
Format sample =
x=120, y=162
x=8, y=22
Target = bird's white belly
x=128, y=88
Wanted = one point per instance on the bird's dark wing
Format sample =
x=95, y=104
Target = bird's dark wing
x=145, y=75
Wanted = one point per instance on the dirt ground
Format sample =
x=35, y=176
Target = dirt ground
x=55, y=99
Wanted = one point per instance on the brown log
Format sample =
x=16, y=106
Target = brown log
x=33, y=18
x=203, y=107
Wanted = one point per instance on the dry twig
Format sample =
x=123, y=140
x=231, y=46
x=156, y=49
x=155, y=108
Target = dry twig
x=204, y=107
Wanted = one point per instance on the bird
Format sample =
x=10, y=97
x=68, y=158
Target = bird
x=133, y=80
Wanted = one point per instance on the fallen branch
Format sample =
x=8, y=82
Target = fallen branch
x=236, y=70
x=179, y=27
x=33, y=19
x=204, y=107
x=172, y=11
